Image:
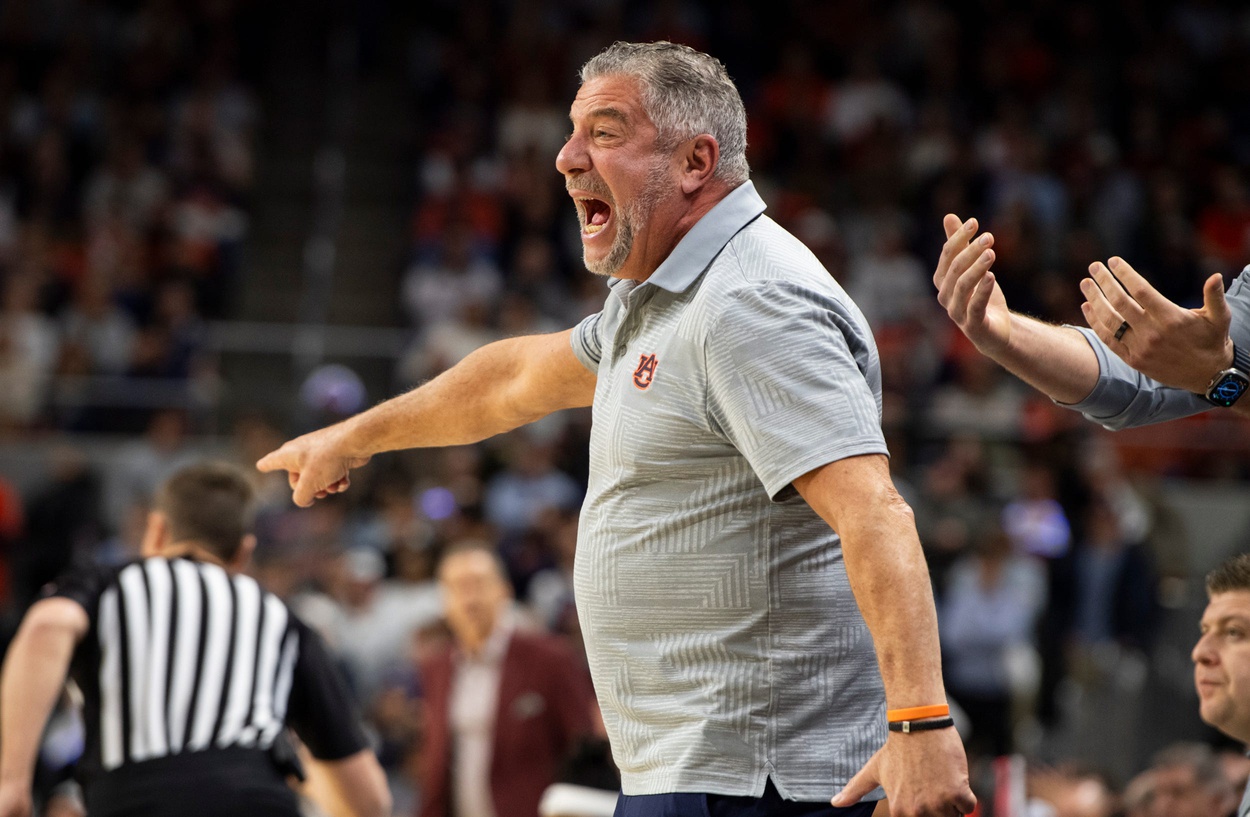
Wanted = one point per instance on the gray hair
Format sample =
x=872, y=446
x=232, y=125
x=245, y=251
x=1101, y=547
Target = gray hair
x=685, y=93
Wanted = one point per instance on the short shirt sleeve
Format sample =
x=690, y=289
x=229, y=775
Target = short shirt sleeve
x=787, y=381
x=587, y=342
x=81, y=583
x=321, y=711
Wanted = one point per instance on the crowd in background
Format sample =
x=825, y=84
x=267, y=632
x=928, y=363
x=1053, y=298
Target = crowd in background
x=1072, y=132
x=126, y=159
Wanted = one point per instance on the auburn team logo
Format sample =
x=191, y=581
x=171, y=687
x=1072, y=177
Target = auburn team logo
x=645, y=372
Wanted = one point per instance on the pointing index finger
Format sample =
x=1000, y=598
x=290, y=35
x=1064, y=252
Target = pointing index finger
x=270, y=462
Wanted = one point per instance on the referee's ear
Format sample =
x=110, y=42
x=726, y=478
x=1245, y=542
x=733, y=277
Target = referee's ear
x=242, y=556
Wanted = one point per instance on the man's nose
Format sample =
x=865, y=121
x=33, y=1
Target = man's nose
x=573, y=158
x=1203, y=652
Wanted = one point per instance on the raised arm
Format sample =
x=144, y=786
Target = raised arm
x=34, y=675
x=497, y=388
x=1055, y=360
x=923, y=773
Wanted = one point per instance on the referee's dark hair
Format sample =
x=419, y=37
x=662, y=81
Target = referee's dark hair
x=209, y=503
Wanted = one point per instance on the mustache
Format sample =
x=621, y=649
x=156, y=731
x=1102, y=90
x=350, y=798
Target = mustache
x=589, y=184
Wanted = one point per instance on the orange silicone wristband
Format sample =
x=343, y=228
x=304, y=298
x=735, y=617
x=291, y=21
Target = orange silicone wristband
x=915, y=713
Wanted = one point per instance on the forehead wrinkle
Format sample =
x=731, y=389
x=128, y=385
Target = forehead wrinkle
x=604, y=112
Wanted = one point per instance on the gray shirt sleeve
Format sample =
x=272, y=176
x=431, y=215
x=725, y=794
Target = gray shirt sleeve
x=784, y=383
x=1126, y=398
x=587, y=342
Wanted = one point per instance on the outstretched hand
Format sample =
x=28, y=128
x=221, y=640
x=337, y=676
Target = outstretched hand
x=317, y=464
x=967, y=289
x=1182, y=348
x=924, y=774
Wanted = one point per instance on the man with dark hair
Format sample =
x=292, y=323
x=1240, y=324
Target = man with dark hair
x=503, y=706
x=190, y=673
x=742, y=548
x=1222, y=655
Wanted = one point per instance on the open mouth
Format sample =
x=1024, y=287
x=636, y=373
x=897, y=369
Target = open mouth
x=594, y=213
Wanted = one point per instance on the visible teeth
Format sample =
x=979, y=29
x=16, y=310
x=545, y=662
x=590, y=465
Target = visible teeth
x=593, y=228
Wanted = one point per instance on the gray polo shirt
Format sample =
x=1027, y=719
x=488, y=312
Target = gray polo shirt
x=1126, y=398
x=725, y=644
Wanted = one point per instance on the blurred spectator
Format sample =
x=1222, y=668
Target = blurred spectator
x=28, y=352
x=865, y=102
x=888, y=284
x=1224, y=225
x=532, y=121
x=987, y=617
x=980, y=400
x=1183, y=780
x=368, y=621
x=64, y=522
x=550, y=591
x=517, y=497
x=126, y=187
x=98, y=329
x=1116, y=595
x=503, y=707
x=142, y=464
x=440, y=289
x=1069, y=792
x=1036, y=522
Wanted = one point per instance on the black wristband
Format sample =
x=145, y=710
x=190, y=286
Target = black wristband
x=921, y=726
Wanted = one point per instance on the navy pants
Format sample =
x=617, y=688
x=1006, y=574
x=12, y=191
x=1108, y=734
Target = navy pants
x=720, y=805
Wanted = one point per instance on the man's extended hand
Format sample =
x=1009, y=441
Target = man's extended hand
x=967, y=289
x=1182, y=348
x=317, y=464
x=924, y=774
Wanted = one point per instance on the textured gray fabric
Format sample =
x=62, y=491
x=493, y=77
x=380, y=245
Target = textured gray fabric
x=1126, y=398
x=724, y=640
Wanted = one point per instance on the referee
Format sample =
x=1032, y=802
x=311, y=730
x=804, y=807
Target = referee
x=190, y=673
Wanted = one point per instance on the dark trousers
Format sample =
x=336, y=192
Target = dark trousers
x=720, y=805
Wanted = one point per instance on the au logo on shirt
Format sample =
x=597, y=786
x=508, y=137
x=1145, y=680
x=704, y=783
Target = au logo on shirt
x=645, y=372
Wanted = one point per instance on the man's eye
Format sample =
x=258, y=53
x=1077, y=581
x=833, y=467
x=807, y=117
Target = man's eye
x=1235, y=633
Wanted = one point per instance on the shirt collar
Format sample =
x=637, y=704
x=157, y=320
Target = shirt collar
x=705, y=239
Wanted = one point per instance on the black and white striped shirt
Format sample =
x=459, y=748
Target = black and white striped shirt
x=183, y=658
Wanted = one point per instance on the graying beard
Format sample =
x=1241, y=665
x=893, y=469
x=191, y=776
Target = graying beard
x=617, y=254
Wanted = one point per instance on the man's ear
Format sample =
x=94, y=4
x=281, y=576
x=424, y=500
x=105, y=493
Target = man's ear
x=242, y=556
x=155, y=535
x=699, y=158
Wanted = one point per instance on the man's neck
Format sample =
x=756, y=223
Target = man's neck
x=192, y=550
x=481, y=648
